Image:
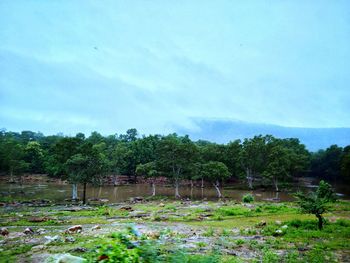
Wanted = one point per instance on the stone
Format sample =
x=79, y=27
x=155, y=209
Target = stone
x=38, y=219
x=161, y=205
x=4, y=231
x=28, y=231
x=277, y=222
x=75, y=229
x=96, y=227
x=52, y=239
x=278, y=232
x=126, y=208
x=38, y=248
x=66, y=258
x=79, y=250
x=136, y=199
x=69, y=239
x=284, y=227
x=41, y=231
x=261, y=224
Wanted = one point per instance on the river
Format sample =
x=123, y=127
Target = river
x=58, y=192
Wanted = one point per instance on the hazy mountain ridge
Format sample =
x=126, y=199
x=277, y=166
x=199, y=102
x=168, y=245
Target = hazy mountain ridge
x=223, y=131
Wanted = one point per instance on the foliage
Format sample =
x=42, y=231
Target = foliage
x=261, y=160
x=316, y=202
x=248, y=198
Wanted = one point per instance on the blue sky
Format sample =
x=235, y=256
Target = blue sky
x=69, y=66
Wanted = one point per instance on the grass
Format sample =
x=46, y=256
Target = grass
x=222, y=225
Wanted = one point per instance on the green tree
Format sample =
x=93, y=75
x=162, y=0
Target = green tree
x=278, y=165
x=13, y=154
x=214, y=172
x=326, y=163
x=175, y=157
x=34, y=156
x=345, y=164
x=87, y=166
x=148, y=170
x=316, y=202
x=253, y=157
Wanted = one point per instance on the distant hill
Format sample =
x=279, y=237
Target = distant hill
x=223, y=131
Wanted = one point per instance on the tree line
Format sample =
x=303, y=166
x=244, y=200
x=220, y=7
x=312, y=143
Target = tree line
x=259, y=161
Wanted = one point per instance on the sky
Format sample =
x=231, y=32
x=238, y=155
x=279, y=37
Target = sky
x=69, y=66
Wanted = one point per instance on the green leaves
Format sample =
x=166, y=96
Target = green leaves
x=316, y=202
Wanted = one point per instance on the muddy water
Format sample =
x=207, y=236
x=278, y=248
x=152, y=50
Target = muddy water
x=59, y=192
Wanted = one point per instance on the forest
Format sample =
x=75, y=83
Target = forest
x=261, y=161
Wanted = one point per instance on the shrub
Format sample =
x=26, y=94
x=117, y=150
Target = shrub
x=269, y=256
x=248, y=198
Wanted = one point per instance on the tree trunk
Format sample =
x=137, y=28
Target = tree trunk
x=320, y=221
x=11, y=176
x=115, y=193
x=75, y=192
x=202, y=183
x=177, y=195
x=84, y=194
x=216, y=185
x=250, y=178
x=115, y=180
x=153, y=189
x=276, y=184
x=191, y=194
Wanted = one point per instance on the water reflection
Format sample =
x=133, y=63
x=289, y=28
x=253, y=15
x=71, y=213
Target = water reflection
x=59, y=192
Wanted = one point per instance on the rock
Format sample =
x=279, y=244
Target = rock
x=38, y=219
x=38, y=248
x=41, y=231
x=261, y=224
x=4, y=231
x=79, y=249
x=28, y=231
x=126, y=208
x=284, y=227
x=96, y=227
x=278, y=232
x=52, y=239
x=277, y=222
x=69, y=239
x=161, y=205
x=66, y=258
x=75, y=229
x=136, y=199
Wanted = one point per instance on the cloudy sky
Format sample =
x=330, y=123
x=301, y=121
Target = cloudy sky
x=69, y=66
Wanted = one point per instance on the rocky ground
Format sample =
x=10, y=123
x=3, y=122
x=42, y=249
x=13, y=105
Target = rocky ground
x=255, y=232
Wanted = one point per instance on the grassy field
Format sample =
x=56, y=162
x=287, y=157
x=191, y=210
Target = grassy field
x=175, y=231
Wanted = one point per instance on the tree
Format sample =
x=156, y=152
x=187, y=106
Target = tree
x=231, y=158
x=316, y=202
x=59, y=153
x=278, y=165
x=326, y=163
x=149, y=171
x=87, y=166
x=175, y=157
x=34, y=156
x=118, y=162
x=345, y=164
x=253, y=157
x=13, y=157
x=214, y=172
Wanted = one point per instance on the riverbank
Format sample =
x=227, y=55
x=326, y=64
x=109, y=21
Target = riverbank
x=233, y=231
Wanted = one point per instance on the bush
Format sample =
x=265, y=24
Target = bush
x=248, y=198
x=303, y=224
